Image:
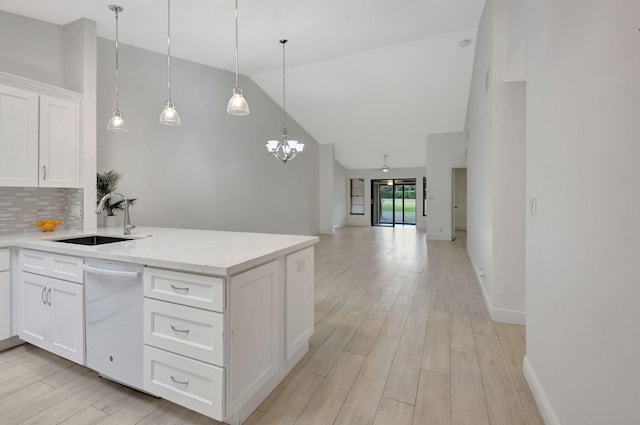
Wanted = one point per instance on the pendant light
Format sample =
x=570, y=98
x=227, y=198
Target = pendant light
x=237, y=104
x=116, y=123
x=169, y=115
x=284, y=149
x=385, y=167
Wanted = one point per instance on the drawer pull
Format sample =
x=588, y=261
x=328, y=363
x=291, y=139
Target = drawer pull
x=179, y=330
x=180, y=288
x=179, y=381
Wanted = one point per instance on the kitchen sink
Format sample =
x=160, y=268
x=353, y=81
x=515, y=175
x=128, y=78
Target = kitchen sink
x=93, y=240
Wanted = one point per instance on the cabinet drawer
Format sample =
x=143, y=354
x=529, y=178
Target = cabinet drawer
x=194, y=290
x=5, y=257
x=184, y=330
x=190, y=383
x=53, y=265
x=34, y=262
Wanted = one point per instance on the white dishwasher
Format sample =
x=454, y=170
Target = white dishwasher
x=114, y=300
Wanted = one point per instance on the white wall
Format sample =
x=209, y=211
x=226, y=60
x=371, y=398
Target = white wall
x=325, y=187
x=340, y=195
x=394, y=173
x=212, y=172
x=32, y=49
x=460, y=200
x=496, y=172
x=445, y=152
x=582, y=251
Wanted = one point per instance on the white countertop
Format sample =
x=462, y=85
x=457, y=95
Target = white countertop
x=201, y=251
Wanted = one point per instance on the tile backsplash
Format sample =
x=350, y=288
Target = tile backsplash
x=22, y=207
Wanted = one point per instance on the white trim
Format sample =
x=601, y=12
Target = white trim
x=548, y=415
x=38, y=87
x=502, y=315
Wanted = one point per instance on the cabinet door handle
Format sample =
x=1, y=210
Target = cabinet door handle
x=180, y=288
x=44, y=172
x=49, y=297
x=179, y=380
x=44, y=290
x=186, y=331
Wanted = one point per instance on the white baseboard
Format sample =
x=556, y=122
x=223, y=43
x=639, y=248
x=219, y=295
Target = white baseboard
x=513, y=317
x=547, y=412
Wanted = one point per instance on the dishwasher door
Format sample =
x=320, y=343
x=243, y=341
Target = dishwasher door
x=114, y=320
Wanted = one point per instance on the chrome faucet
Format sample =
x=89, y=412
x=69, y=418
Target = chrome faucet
x=127, y=220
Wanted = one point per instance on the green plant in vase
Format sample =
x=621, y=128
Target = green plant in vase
x=107, y=182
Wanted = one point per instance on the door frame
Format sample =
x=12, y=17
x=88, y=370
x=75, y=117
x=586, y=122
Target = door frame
x=375, y=200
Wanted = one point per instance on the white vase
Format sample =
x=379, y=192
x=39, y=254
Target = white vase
x=110, y=221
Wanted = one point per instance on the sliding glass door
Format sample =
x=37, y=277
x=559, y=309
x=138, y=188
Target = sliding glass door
x=405, y=201
x=393, y=202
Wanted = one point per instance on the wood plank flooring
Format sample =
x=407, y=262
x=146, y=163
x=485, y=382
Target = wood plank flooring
x=402, y=337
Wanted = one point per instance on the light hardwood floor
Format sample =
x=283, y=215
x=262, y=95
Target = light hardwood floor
x=402, y=337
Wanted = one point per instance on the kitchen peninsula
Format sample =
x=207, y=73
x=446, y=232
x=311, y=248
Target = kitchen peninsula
x=226, y=315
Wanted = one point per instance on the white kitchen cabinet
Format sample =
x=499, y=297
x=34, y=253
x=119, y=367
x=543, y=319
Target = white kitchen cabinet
x=5, y=294
x=52, y=315
x=184, y=351
x=18, y=137
x=39, y=134
x=51, y=310
x=58, y=146
x=256, y=335
x=299, y=300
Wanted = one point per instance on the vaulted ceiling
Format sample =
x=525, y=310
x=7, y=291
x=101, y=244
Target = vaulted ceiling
x=373, y=77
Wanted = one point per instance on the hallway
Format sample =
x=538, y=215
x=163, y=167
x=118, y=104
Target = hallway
x=402, y=340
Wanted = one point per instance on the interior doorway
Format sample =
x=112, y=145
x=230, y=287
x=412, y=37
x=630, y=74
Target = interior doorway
x=393, y=201
x=458, y=201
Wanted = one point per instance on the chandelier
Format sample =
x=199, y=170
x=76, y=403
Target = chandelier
x=284, y=149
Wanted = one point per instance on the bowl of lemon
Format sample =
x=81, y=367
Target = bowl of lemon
x=48, y=225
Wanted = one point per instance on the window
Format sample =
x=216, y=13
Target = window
x=424, y=196
x=357, y=196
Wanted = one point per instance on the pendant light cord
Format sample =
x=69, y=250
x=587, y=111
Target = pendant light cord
x=237, y=83
x=284, y=97
x=169, y=48
x=117, y=92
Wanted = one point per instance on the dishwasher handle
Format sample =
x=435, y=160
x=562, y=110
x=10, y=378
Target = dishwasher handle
x=106, y=272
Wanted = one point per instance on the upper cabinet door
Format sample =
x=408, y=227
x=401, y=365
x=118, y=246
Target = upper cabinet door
x=58, y=143
x=18, y=137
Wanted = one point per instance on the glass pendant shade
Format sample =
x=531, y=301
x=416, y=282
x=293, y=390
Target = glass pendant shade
x=238, y=104
x=116, y=123
x=169, y=115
